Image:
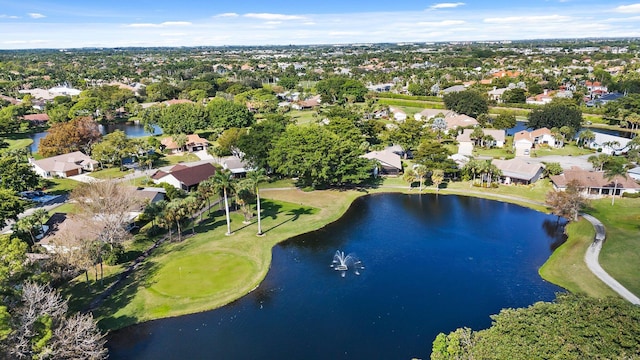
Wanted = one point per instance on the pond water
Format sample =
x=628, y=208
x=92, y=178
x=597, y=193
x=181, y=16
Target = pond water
x=131, y=129
x=431, y=264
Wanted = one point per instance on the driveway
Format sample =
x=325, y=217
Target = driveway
x=83, y=178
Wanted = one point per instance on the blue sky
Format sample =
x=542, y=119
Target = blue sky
x=116, y=23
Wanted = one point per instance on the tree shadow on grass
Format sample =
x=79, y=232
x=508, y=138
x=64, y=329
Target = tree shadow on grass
x=295, y=215
x=142, y=277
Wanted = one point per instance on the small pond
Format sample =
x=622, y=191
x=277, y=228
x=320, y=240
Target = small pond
x=431, y=264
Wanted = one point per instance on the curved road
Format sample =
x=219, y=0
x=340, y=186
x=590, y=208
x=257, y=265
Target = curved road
x=591, y=258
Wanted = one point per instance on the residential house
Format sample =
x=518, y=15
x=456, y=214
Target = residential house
x=496, y=94
x=594, y=183
x=194, y=143
x=36, y=119
x=459, y=121
x=518, y=171
x=540, y=99
x=184, y=177
x=398, y=114
x=10, y=100
x=309, y=103
x=389, y=163
x=428, y=114
x=61, y=225
x=524, y=141
x=63, y=166
x=454, y=88
x=466, y=143
x=634, y=173
x=237, y=166
x=609, y=144
x=604, y=99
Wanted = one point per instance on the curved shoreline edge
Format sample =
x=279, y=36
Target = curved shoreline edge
x=591, y=259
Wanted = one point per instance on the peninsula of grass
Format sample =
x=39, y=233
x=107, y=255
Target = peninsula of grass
x=210, y=269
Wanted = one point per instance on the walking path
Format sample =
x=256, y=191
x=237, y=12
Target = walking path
x=591, y=258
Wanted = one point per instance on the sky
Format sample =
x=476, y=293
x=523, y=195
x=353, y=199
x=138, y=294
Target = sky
x=27, y=24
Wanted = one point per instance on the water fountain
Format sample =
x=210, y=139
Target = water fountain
x=342, y=263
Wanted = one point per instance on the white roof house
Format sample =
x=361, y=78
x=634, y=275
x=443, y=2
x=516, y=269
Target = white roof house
x=518, y=171
x=64, y=165
x=610, y=144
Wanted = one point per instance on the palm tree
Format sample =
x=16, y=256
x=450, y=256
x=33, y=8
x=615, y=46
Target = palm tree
x=192, y=204
x=175, y=212
x=254, y=178
x=205, y=191
x=585, y=137
x=437, y=177
x=409, y=176
x=420, y=171
x=615, y=168
x=222, y=181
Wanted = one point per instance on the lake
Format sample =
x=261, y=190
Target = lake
x=431, y=264
x=131, y=129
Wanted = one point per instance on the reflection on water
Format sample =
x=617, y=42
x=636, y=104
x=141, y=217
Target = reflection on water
x=433, y=263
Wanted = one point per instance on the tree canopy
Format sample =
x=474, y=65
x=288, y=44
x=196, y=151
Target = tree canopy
x=339, y=89
x=572, y=327
x=555, y=115
x=468, y=102
x=319, y=157
x=227, y=114
x=78, y=134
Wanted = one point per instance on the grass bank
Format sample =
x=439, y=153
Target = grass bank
x=566, y=266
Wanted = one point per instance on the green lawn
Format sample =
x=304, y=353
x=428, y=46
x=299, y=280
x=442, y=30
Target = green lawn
x=109, y=173
x=566, y=266
x=620, y=255
x=302, y=117
x=60, y=186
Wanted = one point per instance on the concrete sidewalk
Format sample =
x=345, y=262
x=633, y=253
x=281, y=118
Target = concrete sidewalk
x=591, y=258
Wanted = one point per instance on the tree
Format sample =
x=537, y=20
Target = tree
x=420, y=172
x=228, y=141
x=598, y=161
x=222, y=182
x=78, y=134
x=43, y=330
x=614, y=169
x=259, y=140
x=184, y=118
x=504, y=121
x=31, y=225
x=555, y=115
x=16, y=174
x=437, y=177
x=434, y=155
x=319, y=158
x=174, y=213
x=408, y=135
x=477, y=135
x=567, y=203
x=9, y=119
x=113, y=148
x=552, y=168
x=468, y=102
x=338, y=89
x=568, y=326
x=227, y=114
x=254, y=178
x=514, y=96
x=10, y=206
x=409, y=176
x=586, y=137
x=14, y=267
x=106, y=205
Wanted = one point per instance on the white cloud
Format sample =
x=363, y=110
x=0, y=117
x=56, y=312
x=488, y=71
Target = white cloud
x=161, y=25
x=628, y=9
x=4, y=16
x=527, y=19
x=274, y=17
x=273, y=22
x=441, y=23
x=176, y=23
x=36, y=15
x=446, y=5
x=143, y=25
x=231, y=14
